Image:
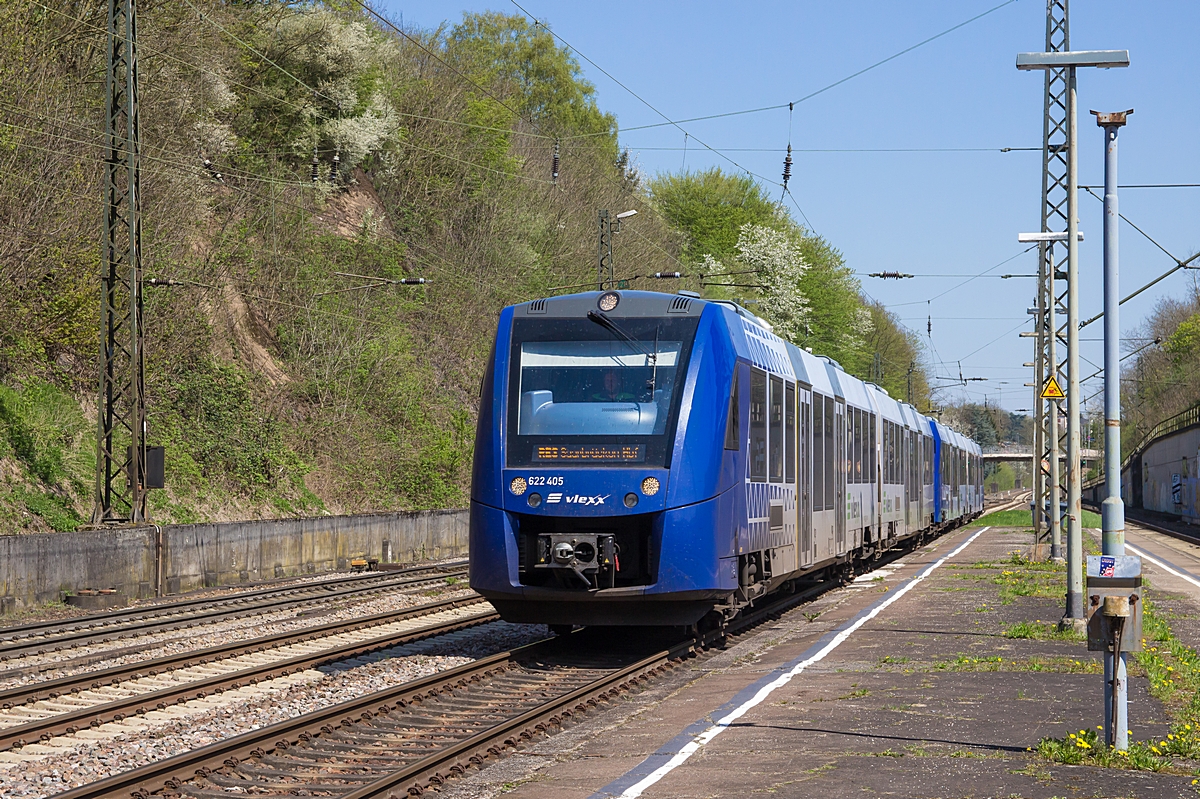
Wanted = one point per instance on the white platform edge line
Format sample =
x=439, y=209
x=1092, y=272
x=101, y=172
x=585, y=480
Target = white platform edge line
x=635, y=790
x=1144, y=554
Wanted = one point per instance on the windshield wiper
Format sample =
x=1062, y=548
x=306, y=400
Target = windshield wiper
x=607, y=323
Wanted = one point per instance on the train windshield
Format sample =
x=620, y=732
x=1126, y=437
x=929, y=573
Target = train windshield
x=587, y=394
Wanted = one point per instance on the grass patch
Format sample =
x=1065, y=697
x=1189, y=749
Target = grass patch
x=1041, y=631
x=54, y=510
x=1085, y=747
x=1056, y=665
x=1024, y=518
x=1173, y=671
x=893, y=660
x=858, y=694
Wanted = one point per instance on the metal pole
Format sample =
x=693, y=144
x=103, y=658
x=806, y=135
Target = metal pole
x=604, y=260
x=1054, y=501
x=1048, y=485
x=1075, y=613
x=1116, y=731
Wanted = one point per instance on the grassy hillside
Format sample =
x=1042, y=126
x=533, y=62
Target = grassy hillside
x=286, y=371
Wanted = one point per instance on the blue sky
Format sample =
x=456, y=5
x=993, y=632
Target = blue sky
x=932, y=213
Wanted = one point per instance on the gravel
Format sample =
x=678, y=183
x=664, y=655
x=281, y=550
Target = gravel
x=207, y=635
x=94, y=760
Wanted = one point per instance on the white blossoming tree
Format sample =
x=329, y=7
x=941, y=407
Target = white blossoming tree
x=770, y=258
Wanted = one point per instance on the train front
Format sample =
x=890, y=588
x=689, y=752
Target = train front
x=583, y=510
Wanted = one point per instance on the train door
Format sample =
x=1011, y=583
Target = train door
x=911, y=484
x=839, y=514
x=804, y=477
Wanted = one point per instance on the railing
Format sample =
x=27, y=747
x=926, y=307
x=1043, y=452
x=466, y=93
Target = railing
x=1180, y=421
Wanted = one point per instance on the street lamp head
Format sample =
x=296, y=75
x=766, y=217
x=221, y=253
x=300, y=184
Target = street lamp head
x=627, y=214
x=1104, y=59
x=1112, y=119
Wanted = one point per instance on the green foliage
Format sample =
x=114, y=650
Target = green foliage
x=711, y=208
x=1185, y=341
x=54, y=510
x=523, y=61
x=219, y=425
x=819, y=305
x=43, y=428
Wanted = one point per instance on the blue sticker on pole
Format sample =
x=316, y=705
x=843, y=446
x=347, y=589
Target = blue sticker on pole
x=1118, y=566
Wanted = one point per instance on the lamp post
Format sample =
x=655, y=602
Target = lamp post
x=1116, y=716
x=1071, y=60
x=605, y=259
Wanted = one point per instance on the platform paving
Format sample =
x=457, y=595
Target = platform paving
x=929, y=698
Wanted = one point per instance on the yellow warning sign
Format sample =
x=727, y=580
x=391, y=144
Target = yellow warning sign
x=1051, y=390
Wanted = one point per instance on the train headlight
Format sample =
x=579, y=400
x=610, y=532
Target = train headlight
x=631, y=499
x=534, y=500
x=650, y=486
x=517, y=486
x=608, y=300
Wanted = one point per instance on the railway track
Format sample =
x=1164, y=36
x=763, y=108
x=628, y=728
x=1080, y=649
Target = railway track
x=401, y=740
x=39, y=712
x=41, y=638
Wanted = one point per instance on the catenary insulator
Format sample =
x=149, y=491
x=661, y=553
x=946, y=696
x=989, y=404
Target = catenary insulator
x=929, y=326
x=314, y=166
x=787, y=168
x=554, y=166
x=333, y=171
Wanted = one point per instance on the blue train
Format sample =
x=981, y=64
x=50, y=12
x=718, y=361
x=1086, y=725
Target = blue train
x=645, y=458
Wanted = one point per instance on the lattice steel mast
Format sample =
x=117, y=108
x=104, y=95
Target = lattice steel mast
x=1049, y=442
x=121, y=448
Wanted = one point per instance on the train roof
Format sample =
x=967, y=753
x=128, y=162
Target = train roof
x=766, y=349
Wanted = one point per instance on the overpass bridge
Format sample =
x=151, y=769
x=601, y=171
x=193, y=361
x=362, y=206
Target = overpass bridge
x=1016, y=454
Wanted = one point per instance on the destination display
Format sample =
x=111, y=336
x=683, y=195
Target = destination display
x=593, y=453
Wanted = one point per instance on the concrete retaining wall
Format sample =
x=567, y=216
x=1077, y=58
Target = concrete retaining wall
x=142, y=560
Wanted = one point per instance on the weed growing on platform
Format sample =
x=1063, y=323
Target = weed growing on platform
x=1041, y=631
x=1173, y=671
x=1057, y=665
x=1085, y=748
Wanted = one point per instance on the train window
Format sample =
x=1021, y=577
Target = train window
x=928, y=461
x=776, y=450
x=887, y=443
x=818, y=453
x=790, y=444
x=858, y=445
x=733, y=422
x=830, y=454
x=578, y=390
x=891, y=453
x=871, y=450
x=758, y=425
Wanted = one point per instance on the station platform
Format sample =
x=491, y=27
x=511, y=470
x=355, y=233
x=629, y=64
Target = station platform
x=935, y=676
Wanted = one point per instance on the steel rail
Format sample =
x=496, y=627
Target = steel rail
x=172, y=771
x=73, y=721
x=53, y=689
x=171, y=774
x=457, y=758
x=85, y=637
x=13, y=632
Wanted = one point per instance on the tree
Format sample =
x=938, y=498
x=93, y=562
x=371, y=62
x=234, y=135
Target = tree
x=522, y=59
x=711, y=208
